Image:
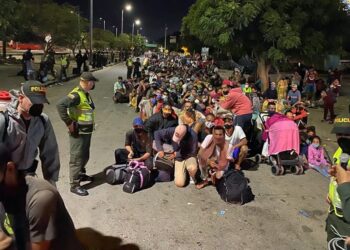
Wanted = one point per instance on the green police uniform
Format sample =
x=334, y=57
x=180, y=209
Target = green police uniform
x=78, y=108
x=338, y=220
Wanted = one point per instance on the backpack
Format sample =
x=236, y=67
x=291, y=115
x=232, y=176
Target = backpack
x=233, y=188
x=138, y=177
x=116, y=174
x=164, y=163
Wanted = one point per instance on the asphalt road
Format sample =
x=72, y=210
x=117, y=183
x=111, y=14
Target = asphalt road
x=166, y=217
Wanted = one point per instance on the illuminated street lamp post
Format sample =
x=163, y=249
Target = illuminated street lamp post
x=137, y=22
x=128, y=7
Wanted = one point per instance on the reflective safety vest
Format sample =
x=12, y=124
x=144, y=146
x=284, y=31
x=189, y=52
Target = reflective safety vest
x=83, y=113
x=129, y=62
x=333, y=195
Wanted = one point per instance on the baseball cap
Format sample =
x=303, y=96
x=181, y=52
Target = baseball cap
x=138, y=122
x=227, y=82
x=180, y=132
x=227, y=116
x=341, y=125
x=88, y=76
x=35, y=91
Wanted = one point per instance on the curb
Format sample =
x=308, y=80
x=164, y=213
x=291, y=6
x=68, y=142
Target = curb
x=76, y=76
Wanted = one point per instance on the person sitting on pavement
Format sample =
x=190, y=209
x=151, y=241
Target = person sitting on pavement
x=271, y=92
x=294, y=95
x=316, y=157
x=229, y=127
x=164, y=119
x=138, y=146
x=40, y=218
x=212, y=157
x=240, y=105
x=238, y=148
x=207, y=128
x=119, y=91
x=185, y=146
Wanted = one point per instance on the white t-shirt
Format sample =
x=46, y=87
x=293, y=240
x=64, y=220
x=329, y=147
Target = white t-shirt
x=237, y=136
x=206, y=142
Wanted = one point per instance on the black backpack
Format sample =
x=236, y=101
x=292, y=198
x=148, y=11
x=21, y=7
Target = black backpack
x=233, y=188
x=138, y=177
x=116, y=174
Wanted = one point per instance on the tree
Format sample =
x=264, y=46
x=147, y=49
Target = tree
x=271, y=30
x=104, y=39
x=8, y=16
x=44, y=17
x=123, y=41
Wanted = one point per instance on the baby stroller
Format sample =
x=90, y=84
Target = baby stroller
x=284, y=144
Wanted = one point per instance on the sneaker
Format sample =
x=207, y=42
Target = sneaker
x=85, y=177
x=78, y=190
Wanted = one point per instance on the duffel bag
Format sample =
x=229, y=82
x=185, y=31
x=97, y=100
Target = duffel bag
x=233, y=187
x=116, y=174
x=138, y=177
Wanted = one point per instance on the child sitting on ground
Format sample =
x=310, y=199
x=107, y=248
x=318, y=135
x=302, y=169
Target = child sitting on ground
x=316, y=157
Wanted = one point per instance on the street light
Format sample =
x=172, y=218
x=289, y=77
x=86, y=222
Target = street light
x=104, y=23
x=128, y=8
x=116, y=30
x=137, y=22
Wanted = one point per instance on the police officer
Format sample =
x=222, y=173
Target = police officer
x=338, y=220
x=28, y=132
x=77, y=111
x=129, y=64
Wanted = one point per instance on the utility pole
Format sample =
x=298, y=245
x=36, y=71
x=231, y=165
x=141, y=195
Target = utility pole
x=165, y=31
x=122, y=27
x=91, y=27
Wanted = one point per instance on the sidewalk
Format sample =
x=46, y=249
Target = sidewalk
x=9, y=78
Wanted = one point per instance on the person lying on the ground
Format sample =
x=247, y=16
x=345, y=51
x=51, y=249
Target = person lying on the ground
x=138, y=146
x=212, y=157
x=185, y=145
x=41, y=220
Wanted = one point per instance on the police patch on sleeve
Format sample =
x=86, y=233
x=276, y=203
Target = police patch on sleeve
x=71, y=96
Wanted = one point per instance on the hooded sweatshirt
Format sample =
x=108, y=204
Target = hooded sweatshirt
x=237, y=102
x=26, y=144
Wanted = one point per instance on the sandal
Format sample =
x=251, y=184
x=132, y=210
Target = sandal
x=202, y=184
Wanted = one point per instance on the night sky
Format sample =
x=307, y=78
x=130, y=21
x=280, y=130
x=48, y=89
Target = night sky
x=154, y=14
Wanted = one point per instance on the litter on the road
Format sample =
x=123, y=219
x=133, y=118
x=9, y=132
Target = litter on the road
x=305, y=213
